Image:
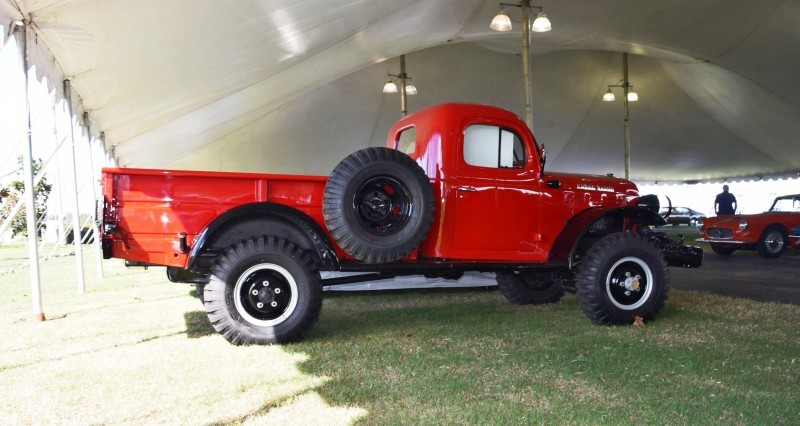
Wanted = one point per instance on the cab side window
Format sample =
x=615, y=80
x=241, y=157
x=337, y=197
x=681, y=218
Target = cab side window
x=494, y=147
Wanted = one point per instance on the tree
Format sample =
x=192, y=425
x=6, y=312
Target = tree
x=10, y=196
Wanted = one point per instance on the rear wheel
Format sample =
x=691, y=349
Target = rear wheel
x=527, y=289
x=772, y=242
x=722, y=250
x=622, y=276
x=264, y=290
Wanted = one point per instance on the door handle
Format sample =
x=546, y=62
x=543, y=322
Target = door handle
x=466, y=188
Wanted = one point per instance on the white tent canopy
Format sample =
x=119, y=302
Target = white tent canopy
x=294, y=86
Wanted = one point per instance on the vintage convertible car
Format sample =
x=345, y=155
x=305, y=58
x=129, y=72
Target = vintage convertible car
x=769, y=233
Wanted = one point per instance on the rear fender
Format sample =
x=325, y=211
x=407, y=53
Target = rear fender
x=253, y=220
x=590, y=225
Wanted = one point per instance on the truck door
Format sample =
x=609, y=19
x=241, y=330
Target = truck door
x=496, y=195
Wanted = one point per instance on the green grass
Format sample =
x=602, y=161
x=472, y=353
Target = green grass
x=138, y=349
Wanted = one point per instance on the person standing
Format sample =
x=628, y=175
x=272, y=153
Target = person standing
x=725, y=203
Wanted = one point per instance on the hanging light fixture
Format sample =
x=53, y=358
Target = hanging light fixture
x=404, y=81
x=390, y=87
x=609, y=95
x=501, y=21
x=541, y=24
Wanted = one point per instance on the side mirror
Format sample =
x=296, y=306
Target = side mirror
x=543, y=158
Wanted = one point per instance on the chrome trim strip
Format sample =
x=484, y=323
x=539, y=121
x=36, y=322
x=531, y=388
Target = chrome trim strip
x=703, y=240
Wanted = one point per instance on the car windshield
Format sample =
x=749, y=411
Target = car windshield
x=786, y=205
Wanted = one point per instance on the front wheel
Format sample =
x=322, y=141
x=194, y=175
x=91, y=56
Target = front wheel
x=772, y=242
x=623, y=276
x=264, y=290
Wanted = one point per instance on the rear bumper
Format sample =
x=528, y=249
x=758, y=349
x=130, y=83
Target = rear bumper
x=108, y=247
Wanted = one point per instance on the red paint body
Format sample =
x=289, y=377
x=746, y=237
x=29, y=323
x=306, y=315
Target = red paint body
x=482, y=213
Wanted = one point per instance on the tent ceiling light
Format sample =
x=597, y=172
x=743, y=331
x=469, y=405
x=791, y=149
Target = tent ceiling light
x=501, y=21
x=541, y=24
x=390, y=87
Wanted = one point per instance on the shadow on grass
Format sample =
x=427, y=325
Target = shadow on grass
x=197, y=324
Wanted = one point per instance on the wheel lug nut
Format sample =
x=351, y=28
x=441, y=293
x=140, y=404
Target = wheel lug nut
x=277, y=291
x=627, y=292
x=265, y=283
x=260, y=305
x=254, y=292
x=273, y=304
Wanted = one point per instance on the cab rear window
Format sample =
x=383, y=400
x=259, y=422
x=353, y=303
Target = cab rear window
x=407, y=141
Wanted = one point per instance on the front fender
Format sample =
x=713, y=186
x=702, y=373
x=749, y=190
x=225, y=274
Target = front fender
x=598, y=222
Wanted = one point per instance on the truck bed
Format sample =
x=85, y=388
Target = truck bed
x=167, y=203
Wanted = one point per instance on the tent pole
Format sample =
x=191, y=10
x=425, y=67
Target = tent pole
x=626, y=113
x=76, y=220
x=403, y=82
x=30, y=190
x=98, y=242
x=526, y=66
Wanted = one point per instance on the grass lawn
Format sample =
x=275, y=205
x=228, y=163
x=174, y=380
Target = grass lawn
x=138, y=349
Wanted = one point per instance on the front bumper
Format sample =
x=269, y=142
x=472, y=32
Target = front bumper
x=677, y=254
x=718, y=241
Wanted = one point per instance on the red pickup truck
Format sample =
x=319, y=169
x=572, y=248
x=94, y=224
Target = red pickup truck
x=458, y=187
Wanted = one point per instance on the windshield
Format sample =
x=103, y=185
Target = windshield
x=786, y=205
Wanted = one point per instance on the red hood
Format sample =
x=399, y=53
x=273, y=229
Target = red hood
x=597, y=190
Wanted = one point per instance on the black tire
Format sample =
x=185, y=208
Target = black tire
x=722, y=250
x=378, y=205
x=526, y=289
x=622, y=276
x=286, y=283
x=199, y=288
x=772, y=242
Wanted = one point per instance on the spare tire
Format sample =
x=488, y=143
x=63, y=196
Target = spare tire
x=378, y=205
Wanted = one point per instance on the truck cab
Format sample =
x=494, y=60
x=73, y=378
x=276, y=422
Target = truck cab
x=495, y=200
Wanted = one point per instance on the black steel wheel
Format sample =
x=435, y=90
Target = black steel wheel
x=622, y=276
x=264, y=290
x=527, y=289
x=722, y=250
x=378, y=205
x=772, y=242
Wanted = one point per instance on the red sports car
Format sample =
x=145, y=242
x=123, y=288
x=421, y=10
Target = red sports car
x=769, y=232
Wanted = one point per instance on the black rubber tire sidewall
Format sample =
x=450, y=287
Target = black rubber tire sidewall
x=591, y=285
x=341, y=214
x=761, y=246
x=220, y=298
x=515, y=289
